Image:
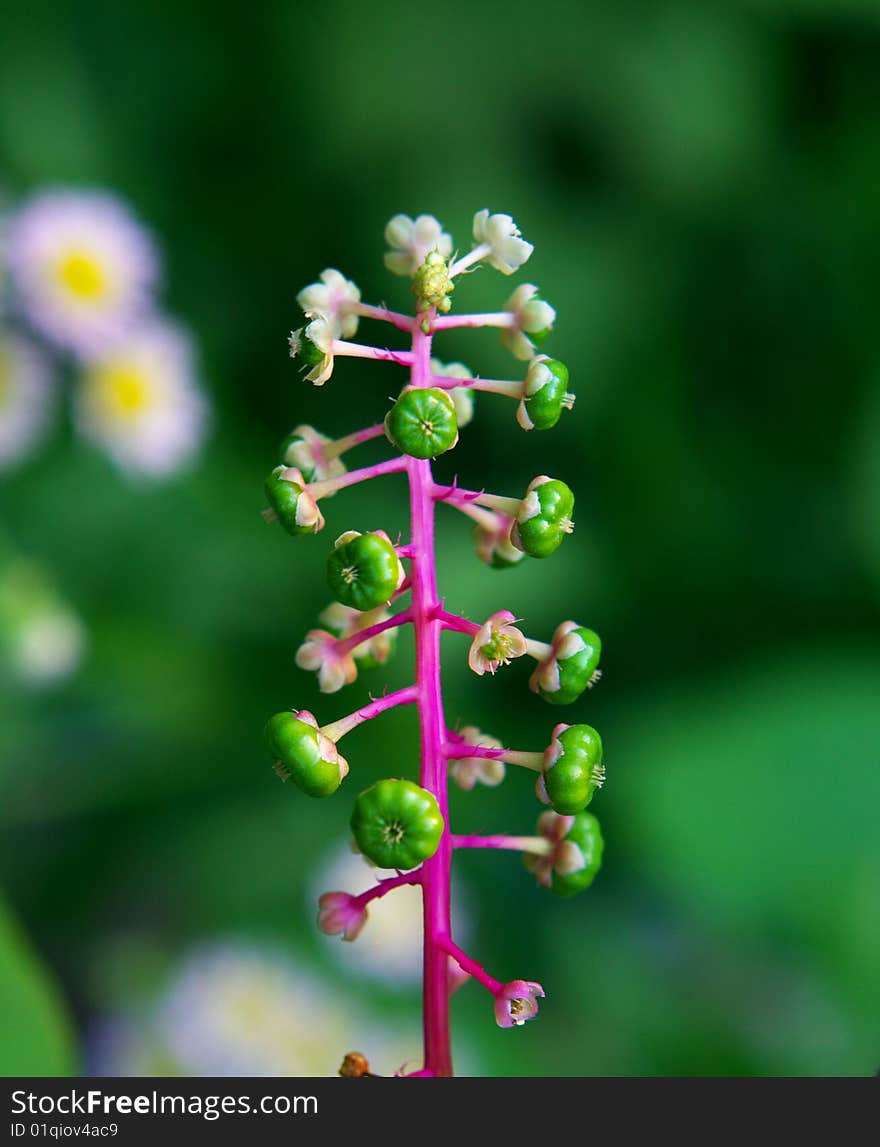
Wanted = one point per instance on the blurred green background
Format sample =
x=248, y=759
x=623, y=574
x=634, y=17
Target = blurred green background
x=700, y=182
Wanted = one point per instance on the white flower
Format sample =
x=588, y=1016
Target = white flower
x=463, y=396
x=496, y=643
x=412, y=240
x=26, y=398
x=313, y=346
x=320, y=652
x=507, y=249
x=304, y=449
x=140, y=402
x=82, y=268
x=333, y=299
x=344, y=621
x=533, y=320
x=469, y=771
x=41, y=639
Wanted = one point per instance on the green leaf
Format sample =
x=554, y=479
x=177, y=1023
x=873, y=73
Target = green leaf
x=36, y=1036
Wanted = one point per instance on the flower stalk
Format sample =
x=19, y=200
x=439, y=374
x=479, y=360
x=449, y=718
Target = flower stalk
x=398, y=824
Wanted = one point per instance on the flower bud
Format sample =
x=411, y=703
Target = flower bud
x=397, y=824
x=494, y=546
x=294, y=506
x=302, y=752
x=422, y=422
x=544, y=517
x=364, y=570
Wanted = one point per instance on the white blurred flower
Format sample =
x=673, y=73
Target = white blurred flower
x=533, y=320
x=26, y=398
x=41, y=638
x=507, y=250
x=139, y=401
x=82, y=268
x=320, y=652
x=462, y=397
x=469, y=771
x=333, y=299
x=238, y=1009
x=412, y=240
x=305, y=449
x=344, y=621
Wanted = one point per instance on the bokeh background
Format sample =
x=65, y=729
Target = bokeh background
x=700, y=181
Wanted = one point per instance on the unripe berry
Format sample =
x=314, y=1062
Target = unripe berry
x=293, y=505
x=587, y=835
x=422, y=422
x=573, y=769
x=544, y=394
x=544, y=517
x=571, y=667
x=364, y=570
x=397, y=824
x=303, y=753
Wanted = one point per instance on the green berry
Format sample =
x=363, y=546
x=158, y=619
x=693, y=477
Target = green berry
x=575, y=770
x=544, y=517
x=304, y=350
x=364, y=570
x=308, y=757
x=587, y=835
x=422, y=422
x=544, y=394
x=294, y=507
x=397, y=824
x=577, y=664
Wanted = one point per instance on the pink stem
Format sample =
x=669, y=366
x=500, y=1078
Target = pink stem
x=352, y=477
x=457, y=624
x=461, y=499
x=515, y=843
x=337, y=729
x=471, y=966
x=402, y=322
x=433, y=773
x=388, y=885
x=348, y=643
x=511, y=387
x=341, y=445
x=491, y=319
x=465, y=752
x=340, y=347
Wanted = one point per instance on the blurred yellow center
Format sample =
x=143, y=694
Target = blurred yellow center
x=82, y=275
x=122, y=390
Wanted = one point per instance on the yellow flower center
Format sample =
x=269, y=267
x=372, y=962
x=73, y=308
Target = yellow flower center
x=123, y=391
x=82, y=275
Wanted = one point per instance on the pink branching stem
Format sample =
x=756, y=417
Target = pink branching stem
x=460, y=498
x=341, y=445
x=464, y=752
x=402, y=322
x=490, y=319
x=433, y=771
x=533, y=844
x=454, y=622
x=331, y=485
x=337, y=729
x=510, y=387
x=341, y=348
x=348, y=643
x=388, y=885
x=470, y=966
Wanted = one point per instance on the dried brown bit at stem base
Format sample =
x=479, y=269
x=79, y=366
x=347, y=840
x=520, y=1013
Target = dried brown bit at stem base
x=355, y=1065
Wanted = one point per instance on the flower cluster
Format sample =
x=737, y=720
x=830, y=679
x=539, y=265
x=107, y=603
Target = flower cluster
x=82, y=274
x=400, y=823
